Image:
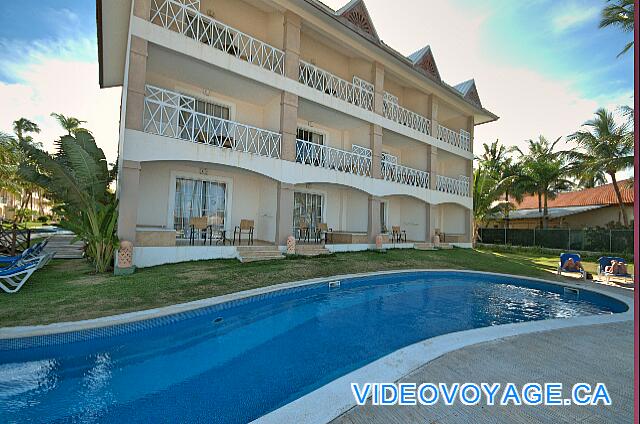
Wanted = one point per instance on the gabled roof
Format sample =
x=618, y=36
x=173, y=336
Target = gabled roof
x=424, y=61
x=356, y=15
x=469, y=91
x=602, y=195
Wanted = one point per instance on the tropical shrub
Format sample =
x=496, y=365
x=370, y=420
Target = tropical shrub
x=77, y=179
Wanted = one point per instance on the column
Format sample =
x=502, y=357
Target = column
x=284, y=213
x=430, y=228
x=291, y=45
x=432, y=165
x=373, y=227
x=136, y=81
x=376, y=151
x=432, y=110
x=377, y=73
x=142, y=9
x=288, y=125
x=468, y=225
x=469, y=212
x=128, y=200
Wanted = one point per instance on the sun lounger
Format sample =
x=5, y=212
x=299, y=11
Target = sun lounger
x=576, y=258
x=30, y=252
x=13, y=277
x=604, y=262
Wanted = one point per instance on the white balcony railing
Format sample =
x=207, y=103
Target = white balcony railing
x=403, y=116
x=172, y=114
x=187, y=20
x=360, y=95
x=461, y=139
x=459, y=186
x=404, y=175
x=357, y=162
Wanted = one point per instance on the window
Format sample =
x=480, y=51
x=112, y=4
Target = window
x=383, y=217
x=307, y=152
x=307, y=208
x=205, y=130
x=197, y=198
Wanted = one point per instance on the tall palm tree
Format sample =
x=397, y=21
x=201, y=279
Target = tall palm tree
x=23, y=128
x=619, y=13
x=604, y=145
x=70, y=124
x=487, y=192
x=544, y=174
x=493, y=157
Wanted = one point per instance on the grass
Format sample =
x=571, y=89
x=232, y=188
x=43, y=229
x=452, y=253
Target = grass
x=67, y=290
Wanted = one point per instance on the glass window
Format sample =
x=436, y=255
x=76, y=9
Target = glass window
x=197, y=198
x=308, y=152
x=383, y=217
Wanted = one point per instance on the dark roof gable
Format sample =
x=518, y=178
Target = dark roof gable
x=356, y=15
x=424, y=61
x=469, y=91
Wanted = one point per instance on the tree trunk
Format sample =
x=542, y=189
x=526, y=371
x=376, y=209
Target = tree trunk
x=540, y=208
x=546, y=211
x=619, y=196
x=506, y=196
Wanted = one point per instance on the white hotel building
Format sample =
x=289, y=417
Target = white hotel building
x=281, y=112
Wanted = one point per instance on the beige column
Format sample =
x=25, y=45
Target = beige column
x=128, y=200
x=432, y=165
x=377, y=74
x=373, y=227
x=142, y=9
x=288, y=125
x=284, y=213
x=376, y=151
x=430, y=228
x=468, y=225
x=432, y=109
x=469, y=212
x=291, y=44
x=135, y=86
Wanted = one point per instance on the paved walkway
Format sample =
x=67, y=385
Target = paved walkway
x=592, y=354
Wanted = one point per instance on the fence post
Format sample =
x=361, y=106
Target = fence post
x=13, y=239
x=505, y=236
x=534, y=237
x=569, y=239
x=610, y=246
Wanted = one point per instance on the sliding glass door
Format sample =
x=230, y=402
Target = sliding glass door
x=198, y=198
x=307, y=208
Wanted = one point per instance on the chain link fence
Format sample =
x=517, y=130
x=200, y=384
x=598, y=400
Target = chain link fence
x=587, y=240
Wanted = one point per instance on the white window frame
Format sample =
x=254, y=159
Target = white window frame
x=211, y=98
x=202, y=177
x=385, y=204
x=323, y=133
x=311, y=191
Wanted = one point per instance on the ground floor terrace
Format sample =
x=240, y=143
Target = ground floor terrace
x=185, y=210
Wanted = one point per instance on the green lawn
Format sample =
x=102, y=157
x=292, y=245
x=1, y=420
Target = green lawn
x=66, y=290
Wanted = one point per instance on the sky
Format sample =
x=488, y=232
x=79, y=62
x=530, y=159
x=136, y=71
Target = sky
x=543, y=66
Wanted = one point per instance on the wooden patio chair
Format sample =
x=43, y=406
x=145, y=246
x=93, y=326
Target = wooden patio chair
x=303, y=230
x=397, y=235
x=246, y=226
x=322, y=232
x=198, y=224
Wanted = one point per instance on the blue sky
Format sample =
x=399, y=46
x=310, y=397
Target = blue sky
x=542, y=65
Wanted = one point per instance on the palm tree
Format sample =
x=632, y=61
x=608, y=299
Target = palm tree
x=22, y=129
x=487, y=192
x=605, y=145
x=69, y=123
x=494, y=157
x=619, y=13
x=543, y=174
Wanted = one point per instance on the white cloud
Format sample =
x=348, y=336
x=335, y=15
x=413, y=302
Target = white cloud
x=571, y=15
x=67, y=87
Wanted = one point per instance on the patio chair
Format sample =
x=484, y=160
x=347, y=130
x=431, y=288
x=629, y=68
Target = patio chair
x=13, y=277
x=28, y=253
x=604, y=262
x=304, y=232
x=197, y=225
x=246, y=226
x=397, y=235
x=322, y=232
x=564, y=257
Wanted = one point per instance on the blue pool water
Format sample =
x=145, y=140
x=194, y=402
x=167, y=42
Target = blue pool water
x=264, y=353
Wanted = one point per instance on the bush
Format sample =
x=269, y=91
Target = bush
x=43, y=219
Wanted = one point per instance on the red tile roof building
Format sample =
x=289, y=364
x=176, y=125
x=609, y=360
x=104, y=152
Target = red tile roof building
x=601, y=195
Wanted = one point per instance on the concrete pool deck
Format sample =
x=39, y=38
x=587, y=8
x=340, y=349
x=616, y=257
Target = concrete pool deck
x=590, y=354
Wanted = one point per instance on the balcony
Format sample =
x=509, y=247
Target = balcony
x=459, y=186
x=356, y=162
x=189, y=21
x=358, y=92
x=460, y=139
x=173, y=115
x=391, y=171
x=403, y=116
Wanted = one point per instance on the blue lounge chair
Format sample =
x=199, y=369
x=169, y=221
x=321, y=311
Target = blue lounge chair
x=13, y=277
x=31, y=252
x=576, y=258
x=604, y=262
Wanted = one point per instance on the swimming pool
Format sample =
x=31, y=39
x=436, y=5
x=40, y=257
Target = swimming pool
x=236, y=361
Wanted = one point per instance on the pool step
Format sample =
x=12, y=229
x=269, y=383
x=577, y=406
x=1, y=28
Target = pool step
x=311, y=250
x=258, y=253
x=424, y=246
x=444, y=246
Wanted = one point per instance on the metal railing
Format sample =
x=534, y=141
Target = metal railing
x=459, y=186
x=321, y=80
x=187, y=20
x=403, y=116
x=460, y=139
x=172, y=114
x=357, y=163
x=404, y=175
